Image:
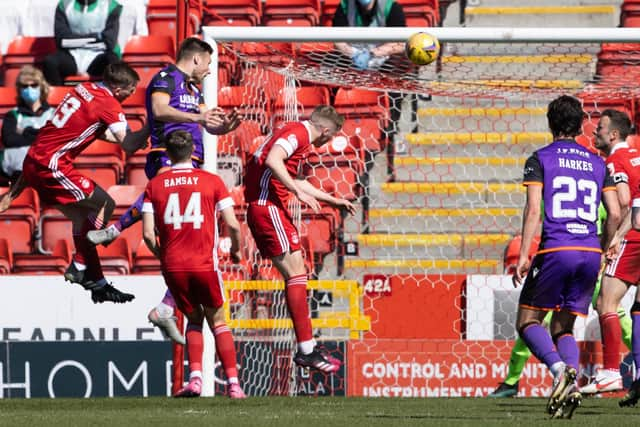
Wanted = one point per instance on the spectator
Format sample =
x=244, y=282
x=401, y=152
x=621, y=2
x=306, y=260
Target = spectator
x=86, y=33
x=21, y=125
x=375, y=13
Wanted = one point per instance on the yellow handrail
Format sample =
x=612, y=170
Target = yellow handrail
x=353, y=320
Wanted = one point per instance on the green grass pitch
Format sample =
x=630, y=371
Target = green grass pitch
x=305, y=412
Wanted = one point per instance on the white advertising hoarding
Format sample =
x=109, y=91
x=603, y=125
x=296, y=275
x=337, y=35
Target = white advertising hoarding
x=492, y=303
x=46, y=308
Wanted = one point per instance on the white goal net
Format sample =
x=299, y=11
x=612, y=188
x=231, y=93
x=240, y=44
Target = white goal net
x=410, y=292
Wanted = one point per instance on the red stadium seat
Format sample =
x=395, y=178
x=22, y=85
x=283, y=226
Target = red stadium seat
x=135, y=109
x=53, y=226
x=7, y=99
x=423, y=13
x=369, y=130
x=271, y=82
x=161, y=17
x=19, y=222
x=25, y=51
x=154, y=49
x=54, y=263
x=116, y=258
x=251, y=102
x=296, y=13
x=57, y=94
x=320, y=228
x=359, y=103
x=239, y=13
x=134, y=167
x=124, y=196
x=148, y=54
x=630, y=13
x=336, y=167
x=6, y=257
x=145, y=261
x=308, y=97
x=328, y=11
x=103, y=161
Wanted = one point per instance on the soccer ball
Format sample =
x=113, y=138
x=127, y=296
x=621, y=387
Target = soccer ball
x=422, y=48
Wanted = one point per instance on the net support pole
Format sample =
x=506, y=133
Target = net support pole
x=210, y=142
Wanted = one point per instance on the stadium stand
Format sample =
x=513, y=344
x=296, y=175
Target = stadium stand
x=6, y=257
x=19, y=222
x=630, y=13
x=54, y=263
x=296, y=13
x=232, y=12
x=116, y=258
x=145, y=262
x=25, y=50
x=148, y=54
x=421, y=13
x=52, y=227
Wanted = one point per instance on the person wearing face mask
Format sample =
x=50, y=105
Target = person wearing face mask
x=86, y=33
x=174, y=102
x=21, y=125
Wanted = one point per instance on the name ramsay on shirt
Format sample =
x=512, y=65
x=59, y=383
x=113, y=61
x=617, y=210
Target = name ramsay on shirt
x=180, y=180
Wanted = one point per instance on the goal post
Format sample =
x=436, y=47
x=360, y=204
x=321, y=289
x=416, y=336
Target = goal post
x=432, y=158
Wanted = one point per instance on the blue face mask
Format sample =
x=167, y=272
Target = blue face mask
x=30, y=94
x=365, y=2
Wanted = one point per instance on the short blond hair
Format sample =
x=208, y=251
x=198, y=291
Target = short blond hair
x=29, y=72
x=328, y=113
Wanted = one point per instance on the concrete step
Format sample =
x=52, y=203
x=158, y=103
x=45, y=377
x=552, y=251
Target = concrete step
x=356, y=268
x=453, y=118
x=606, y=15
x=492, y=66
x=468, y=220
x=432, y=246
x=454, y=144
x=448, y=195
x=451, y=169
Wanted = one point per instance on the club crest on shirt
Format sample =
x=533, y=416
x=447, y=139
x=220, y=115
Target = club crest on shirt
x=294, y=238
x=85, y=183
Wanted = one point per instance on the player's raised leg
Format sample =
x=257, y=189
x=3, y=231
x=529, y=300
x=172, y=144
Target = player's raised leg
x=85, y=268
x=163, y=317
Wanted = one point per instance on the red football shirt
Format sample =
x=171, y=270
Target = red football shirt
x=624, y=166
x=84, y=113
x=260, y=185
x=185, y=203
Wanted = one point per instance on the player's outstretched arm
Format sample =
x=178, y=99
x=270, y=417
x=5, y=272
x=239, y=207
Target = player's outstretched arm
x=149, y=233
x=323, y=196
x=14, y=191
x=132, y=141
x=275, y=161
x=229, y=217
x=530, y=221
